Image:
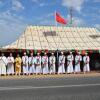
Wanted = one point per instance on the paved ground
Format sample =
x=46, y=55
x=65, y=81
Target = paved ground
x=58, y=87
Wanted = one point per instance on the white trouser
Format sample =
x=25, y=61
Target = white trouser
x=86, y=68
x=2, y=68
x=25, y=69
x=38, y=69
x=45, y=69
x=70, y=68
x=52, y=69
x=61, y=69
x=10, y=69
x=77, y=68
x=32, y=69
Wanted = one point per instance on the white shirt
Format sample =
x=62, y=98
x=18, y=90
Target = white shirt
x=25, y=59
x=31, y=60
x=45, y=59
x=52, y=59
x=70, y=57
x=86, y=59
x=78, y=58
x=61, y=59
x=38, y=59
x=3, y=59
x=10, y=59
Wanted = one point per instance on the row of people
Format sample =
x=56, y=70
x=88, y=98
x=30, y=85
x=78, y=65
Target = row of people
x=44, y=65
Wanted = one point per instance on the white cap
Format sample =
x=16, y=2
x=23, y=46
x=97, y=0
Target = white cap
x=38, y=53
x=62, y=53
x=45, y=53
x=52, y=53
x=24, y=53
x=86, y=53
x=31, y=52
x=70, y=52
x=78, y=52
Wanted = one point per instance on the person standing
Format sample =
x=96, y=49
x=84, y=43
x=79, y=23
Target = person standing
x=86, y=60
x=25, y=63
x=70, y=59
x=18, y=62
x=10, y=64
x=61, y=68
x=38, y=64
x=78, y=59
x=45, y=64
x=31, y=64
x=52, y=61
x=3, y=64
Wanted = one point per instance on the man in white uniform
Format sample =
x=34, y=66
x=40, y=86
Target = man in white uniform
x=3, y=64
x=86, y=60
x=10, y=65
x=52, y=60
x=61, y=68
x=31, y=64
x=78, y=59
x=25, y=63
x=45, y=64
x=38, y=64
x=70, y=59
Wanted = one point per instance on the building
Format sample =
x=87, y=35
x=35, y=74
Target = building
x=61, y=38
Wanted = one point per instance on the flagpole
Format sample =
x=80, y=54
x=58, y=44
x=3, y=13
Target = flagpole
x=56, y=28
x=55, y=19
x=57, y=45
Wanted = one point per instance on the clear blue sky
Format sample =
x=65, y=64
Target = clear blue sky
x=15, y=15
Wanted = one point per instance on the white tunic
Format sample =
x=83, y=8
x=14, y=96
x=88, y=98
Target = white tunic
x=38, y=64
x=70, y=59
x=31, y=65
x=10, y=65
x=61, y=68
x=78, y=59
x=86, y=61
x=52, y=61
x=45, y=65
x=3, y=63
x=25, y=64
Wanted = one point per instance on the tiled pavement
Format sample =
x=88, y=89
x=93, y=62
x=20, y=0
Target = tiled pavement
x=91, y=74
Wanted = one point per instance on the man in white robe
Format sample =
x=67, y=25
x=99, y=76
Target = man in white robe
x=31, y=64
x=70, y=59
x=45, y=64
x=61, y=68
x=78, y=59
x=38, y=69
x=25, y=63
x=52, y=60
x=10, y=65
x=86, y=60
x=3, y=64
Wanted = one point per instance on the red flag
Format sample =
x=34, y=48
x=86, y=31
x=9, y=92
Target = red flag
x=60, y=19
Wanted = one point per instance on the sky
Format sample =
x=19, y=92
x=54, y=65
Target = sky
x=16, y=15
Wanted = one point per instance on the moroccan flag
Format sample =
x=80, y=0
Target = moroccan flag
x=60, y=19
